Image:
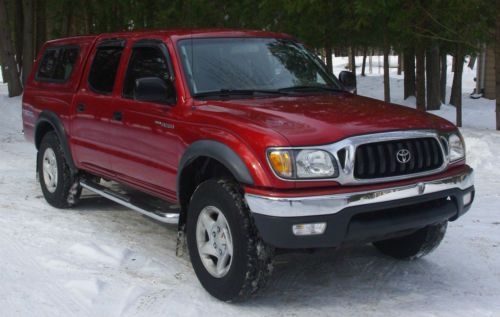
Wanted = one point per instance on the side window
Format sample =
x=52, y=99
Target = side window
x=57, y=64
x=67, y=59
x=47, y=65
x=145, y=62
x=104, y=68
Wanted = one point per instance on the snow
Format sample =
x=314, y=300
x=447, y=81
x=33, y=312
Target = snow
x=100, y=259
x=477, y=113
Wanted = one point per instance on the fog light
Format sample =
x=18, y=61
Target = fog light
x=308, y=229
x=467, y=198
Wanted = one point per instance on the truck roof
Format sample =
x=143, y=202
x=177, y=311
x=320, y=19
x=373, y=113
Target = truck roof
x=174, y=33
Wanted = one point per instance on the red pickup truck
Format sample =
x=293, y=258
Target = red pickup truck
x=247, y=142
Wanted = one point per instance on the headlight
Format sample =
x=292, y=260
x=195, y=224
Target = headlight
x=456, y=147
x=297, y=164
x=314, y=164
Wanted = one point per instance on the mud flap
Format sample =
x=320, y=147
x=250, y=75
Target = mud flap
x=181, y=245
x=73, y=192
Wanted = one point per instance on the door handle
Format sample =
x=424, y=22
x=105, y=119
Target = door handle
x=117, y=116
x=80, y=107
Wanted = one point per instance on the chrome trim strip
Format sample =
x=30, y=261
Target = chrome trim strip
x=350, y=144
x=331, y=204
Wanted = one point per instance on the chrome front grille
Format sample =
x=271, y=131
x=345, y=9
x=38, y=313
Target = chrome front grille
x=397, y=157
x=372, y=158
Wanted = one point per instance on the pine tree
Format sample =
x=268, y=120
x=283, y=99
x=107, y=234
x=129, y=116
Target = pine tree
x=28, y=39
x=8, y=55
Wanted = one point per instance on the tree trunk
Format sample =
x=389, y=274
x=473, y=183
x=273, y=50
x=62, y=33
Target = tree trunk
x=456, y=88
x=387, y=84
x=497, y=63
x=472, y=62
x=27, y=39
x=328, y=53
x=88, y=17
x=322, y=53
x=433, y=78
x=444, y=73
x=7, y=51
x=3, y=69
x=150, y=14
x=18, y=32
x=409, y=72
x=69, y=18
x=353, y=60
x=420, y=76
x=41, y=24
x=370, y=62
x=400, y=63
x=115, y=22
x=363, y=66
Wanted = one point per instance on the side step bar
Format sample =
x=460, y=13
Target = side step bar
x=162, y=216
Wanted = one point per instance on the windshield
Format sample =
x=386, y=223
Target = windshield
x=225, y=65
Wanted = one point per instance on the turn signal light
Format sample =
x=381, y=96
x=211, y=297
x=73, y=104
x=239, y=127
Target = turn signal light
x=281, y=162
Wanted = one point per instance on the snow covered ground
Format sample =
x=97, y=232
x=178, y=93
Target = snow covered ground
x=478, y=113
x=100, y=259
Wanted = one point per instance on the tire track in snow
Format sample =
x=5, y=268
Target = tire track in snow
x=63, y=304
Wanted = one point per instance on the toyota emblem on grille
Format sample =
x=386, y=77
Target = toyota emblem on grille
x=403, y=156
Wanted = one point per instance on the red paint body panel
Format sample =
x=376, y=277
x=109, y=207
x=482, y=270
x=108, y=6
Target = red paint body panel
x=55, y=97
x=145, y=155
x=323, y=119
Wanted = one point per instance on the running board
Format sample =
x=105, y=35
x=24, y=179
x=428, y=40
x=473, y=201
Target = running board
x=124, y=200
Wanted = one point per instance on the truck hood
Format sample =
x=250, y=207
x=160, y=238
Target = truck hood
x=323, y=119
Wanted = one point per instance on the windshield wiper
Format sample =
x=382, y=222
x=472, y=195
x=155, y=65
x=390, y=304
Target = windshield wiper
x=309, y=88
x=242, y=92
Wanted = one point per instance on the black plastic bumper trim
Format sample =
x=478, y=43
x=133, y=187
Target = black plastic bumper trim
x=366, y=223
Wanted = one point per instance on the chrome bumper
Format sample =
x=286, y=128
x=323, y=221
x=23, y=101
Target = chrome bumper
x=331, y=204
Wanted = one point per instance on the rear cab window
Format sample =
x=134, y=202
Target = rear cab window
x=57, y=64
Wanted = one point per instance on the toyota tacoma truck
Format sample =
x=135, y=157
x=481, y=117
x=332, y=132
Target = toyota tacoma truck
x=246, y=142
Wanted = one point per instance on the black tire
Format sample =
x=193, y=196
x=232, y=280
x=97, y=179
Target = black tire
x=415, y=245
x=252, y=259
x=67, y=191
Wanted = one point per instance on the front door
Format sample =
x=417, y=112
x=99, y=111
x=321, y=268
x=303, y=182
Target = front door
x=146, y=142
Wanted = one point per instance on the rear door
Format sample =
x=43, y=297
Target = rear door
x=90, y=125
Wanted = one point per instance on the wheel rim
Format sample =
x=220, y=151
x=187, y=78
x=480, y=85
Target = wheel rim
x=214, y=241
x=49, y=169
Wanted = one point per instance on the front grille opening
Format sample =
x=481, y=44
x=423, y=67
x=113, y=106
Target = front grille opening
x=396, y=158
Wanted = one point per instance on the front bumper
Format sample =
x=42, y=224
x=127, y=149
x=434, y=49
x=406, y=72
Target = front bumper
x=362, y=216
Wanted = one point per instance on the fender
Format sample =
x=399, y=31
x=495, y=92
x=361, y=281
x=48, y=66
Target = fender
x=52, y=119
x=220, y=152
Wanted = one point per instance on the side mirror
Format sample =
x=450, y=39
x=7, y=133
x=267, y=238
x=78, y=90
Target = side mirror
x=348, y=80
x=154, y=89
